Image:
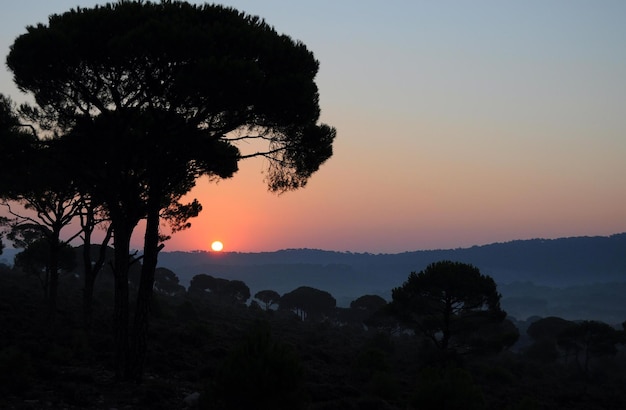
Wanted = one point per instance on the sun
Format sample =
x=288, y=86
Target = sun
x=217, y=246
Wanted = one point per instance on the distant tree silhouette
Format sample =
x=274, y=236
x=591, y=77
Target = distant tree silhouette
x=588, y=340
x=384, y=320
x=167, y=283
x=544, y=333
x=35, y=260
x=548, y=328
x=368, y=302
x=200, y=283
x=361, y=309
x=237, y=291
x=489, y=337
x=166, y=92
x=447, y=300
x=219, y=289
x=308, y=303
x=268, y=297
x=255, y=306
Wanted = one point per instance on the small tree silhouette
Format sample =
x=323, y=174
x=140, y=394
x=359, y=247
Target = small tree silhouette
x=308, y=302
x=268, y=297
x=588, y=340
x=446, y=300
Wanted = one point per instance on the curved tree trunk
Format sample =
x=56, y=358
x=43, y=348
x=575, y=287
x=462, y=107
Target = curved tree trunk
x=91, y=270
x=139, y=344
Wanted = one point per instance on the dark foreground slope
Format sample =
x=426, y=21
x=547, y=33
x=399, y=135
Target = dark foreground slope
x=192, y=342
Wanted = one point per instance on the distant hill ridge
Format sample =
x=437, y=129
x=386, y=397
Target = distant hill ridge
x=574, y=278
x=549, y=262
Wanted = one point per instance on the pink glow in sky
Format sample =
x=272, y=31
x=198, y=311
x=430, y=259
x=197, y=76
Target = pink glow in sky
x=459, y=123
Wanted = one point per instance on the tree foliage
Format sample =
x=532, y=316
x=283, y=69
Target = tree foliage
x=368, y=302
x=548, y=328
x=40, y=191
x=308, y=302
x=219, y=289
x=237, y=291
x=167, y=282
x=268, y=297
x=446, y=300
x=588, y=340
x=544, y=333
x=16, y=144
x=219, y=69
x=167, y=92
x=35, y=260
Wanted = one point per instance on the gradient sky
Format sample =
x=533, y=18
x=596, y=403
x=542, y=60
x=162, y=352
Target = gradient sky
x=459, y=123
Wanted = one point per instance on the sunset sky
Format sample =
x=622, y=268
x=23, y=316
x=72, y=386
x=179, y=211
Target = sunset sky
x=459, y=123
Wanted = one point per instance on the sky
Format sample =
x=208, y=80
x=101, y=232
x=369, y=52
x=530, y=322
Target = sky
x=459, y=123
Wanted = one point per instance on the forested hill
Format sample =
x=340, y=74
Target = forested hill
x=554, y=262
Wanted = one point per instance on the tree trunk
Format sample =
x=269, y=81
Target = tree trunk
x=91, y=273
x=122, y=236
x=447, y=313
x=151, y=250
x=90, y=280
x=53, y=270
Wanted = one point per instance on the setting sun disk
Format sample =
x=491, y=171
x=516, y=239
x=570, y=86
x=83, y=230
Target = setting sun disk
x=217, y=246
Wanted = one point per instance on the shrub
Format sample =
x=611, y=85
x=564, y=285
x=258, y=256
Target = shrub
x=186, y=311
x=369, y=362
x=15, y=371
x=195, y=334
x=384, y=385
x=259, y=373
x=448, y=388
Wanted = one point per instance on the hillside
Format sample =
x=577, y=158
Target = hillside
x=576, y=278
x=548, y=262
x=194, y=339
x=536, y=277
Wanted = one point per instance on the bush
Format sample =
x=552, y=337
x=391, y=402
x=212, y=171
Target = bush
x=15, y=371
x=259, y=373
x=384, y=385
x=544, y=351
x=449, y=388
x=79, y=343
x=186, y=311
x=368, y=363
x=195, y=334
